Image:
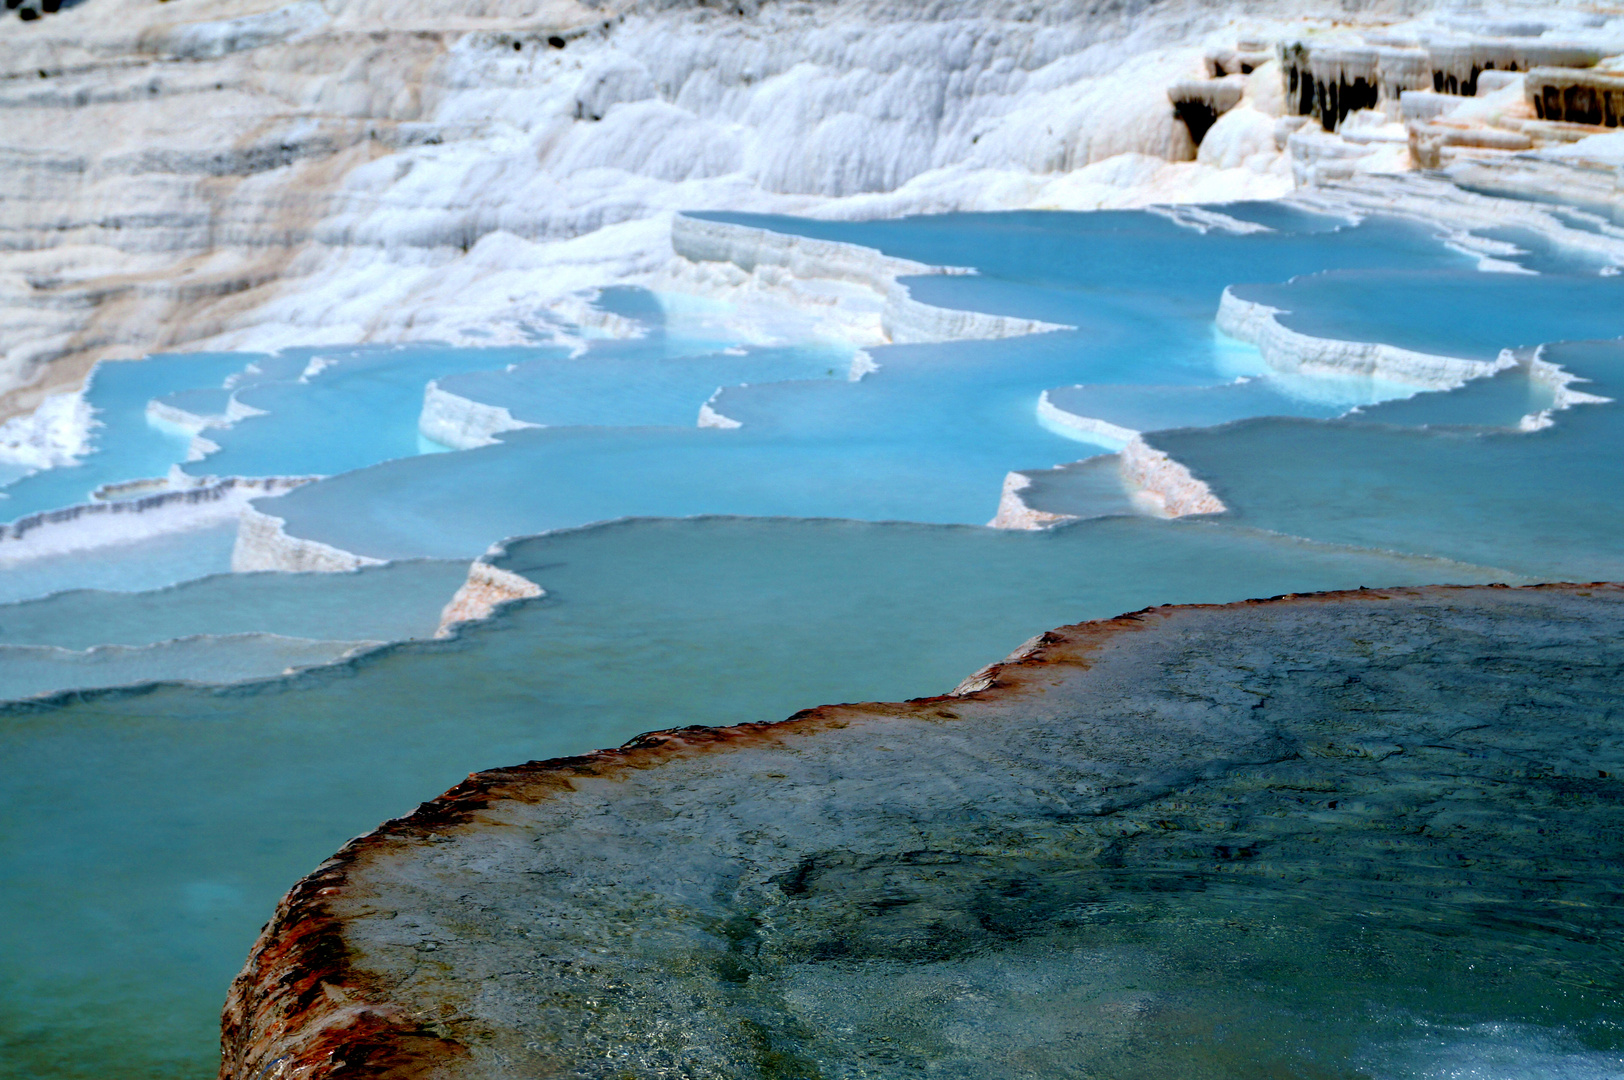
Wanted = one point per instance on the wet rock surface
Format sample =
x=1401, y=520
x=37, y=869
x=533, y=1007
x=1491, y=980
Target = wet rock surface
x=1190, y=841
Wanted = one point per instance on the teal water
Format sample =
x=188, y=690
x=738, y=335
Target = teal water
x=1540, y=503
x=358, y=407
x=148, y=831
x=383, y=603
x=145, y=564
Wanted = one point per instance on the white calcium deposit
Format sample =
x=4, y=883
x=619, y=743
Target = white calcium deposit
x=1163, y=486
x=243, y=174
x=1090, y=428
x=248, y=174
x=460, y=423
x=1290, y=352
x=1013, y=513
x=58, y=432
x=263, y=545
x=487, y=588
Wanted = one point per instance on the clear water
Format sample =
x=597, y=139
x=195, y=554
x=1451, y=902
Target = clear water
x=928, y=437
x=1539, y=503
x=130, y=905
x=127, y=447
x=145, y=564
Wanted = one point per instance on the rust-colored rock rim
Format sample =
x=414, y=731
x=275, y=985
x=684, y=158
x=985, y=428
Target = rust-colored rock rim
x=298, y=989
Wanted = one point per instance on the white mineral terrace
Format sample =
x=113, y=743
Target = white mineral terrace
x=1291, y=352
x=364, y=171
x=103, y=523
x=453, y=420
x=262, y=545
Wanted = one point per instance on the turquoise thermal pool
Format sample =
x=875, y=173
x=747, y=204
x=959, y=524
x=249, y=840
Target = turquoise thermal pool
x=729, y=527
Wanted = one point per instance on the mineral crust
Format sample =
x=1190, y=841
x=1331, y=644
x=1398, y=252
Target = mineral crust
x=678, y=906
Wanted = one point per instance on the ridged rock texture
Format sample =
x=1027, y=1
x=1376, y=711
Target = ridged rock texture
x=161, y=167
x=777, y=899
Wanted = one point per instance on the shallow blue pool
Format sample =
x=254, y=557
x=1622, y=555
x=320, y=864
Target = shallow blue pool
x=828, y=546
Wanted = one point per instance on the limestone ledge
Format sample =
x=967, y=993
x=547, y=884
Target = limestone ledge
x=1574, y=180
x=113, y=519
x=533, y=915
x=1289, y=351
x=749, y=248
x=1091, y=428
x=903, y=319
x=461, y=423
x=909, y=321
x=487, y=588
x=263, y=545
x=1563, y=396
x=1164, y=486
x=1461, y=215
x=1013, y=513
x=1157, y=485
x=162, y=412
x=710, y=418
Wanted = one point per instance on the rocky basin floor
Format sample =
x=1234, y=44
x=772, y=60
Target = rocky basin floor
x=1341, y=834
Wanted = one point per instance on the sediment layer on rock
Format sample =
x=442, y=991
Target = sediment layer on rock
x=573, y=916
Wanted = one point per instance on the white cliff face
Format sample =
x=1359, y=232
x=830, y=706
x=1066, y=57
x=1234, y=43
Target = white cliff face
x=452, y=420
x=253, y=175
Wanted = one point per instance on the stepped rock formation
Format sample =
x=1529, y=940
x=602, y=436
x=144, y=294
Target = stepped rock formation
x=701, y=901
x=255, y=173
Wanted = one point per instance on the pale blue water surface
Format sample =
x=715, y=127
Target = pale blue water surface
x=148, y=831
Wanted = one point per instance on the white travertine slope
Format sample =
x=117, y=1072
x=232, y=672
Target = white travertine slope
x=253, y=175
x=455, y=421
x=263, y=545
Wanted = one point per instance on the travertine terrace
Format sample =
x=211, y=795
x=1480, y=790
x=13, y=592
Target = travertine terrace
x=649, y=909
